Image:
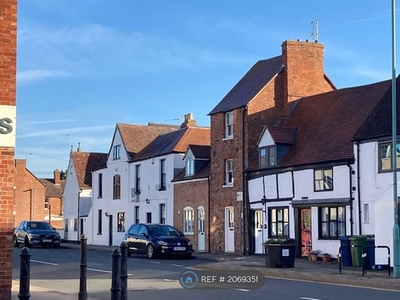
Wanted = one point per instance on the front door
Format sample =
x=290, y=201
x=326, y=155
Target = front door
x=305, y=226
x=229, y=230
x=258, y=231
x=201, y=237
x=110, y=224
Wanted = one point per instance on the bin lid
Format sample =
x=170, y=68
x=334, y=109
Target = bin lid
x=359, y=237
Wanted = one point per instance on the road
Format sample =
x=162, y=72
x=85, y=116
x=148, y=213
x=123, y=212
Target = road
x=58, y=269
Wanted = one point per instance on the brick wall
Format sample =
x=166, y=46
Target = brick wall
x=193, y=194
x=29, y=194
x=8, y=57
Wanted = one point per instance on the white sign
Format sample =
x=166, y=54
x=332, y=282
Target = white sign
x=7, y=125
x=285, y=252
x=239, y=196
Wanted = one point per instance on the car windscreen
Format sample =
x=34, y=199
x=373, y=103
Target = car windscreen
x=163, y=231
x=39, y=225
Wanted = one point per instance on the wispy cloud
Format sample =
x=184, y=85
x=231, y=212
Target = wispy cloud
x=65, y=131
x=372, y=73
x=31, y=76
x=48, y=121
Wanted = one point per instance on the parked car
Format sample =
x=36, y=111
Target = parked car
x=157, y=239
x=31, y=233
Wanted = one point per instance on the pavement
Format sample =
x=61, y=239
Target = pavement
x=324, y=272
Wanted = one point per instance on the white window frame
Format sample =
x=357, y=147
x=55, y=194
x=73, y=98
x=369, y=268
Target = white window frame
x=228, y=125
x=229, y=172
x=188, y=220
x=117, y=152
x=267, y=156
x=189, y=167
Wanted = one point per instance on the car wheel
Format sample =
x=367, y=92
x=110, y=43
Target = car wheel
x=27, y=244
x=16, y=244
x=129, y=253
x=150, y=251
x=57, y=246
x=188, y=256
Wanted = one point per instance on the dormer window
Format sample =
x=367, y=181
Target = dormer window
x=117, y=152
x=229, y=125
x=267, y=157
x=189, y=167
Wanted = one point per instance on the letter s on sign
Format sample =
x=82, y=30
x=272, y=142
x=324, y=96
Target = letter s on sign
x=5, y=126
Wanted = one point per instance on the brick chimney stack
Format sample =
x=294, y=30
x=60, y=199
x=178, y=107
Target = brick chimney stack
x=20, y=163
x=304, y=70
x=57, y=178
x=189, y=121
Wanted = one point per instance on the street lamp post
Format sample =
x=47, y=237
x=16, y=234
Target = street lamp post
x=396, y=240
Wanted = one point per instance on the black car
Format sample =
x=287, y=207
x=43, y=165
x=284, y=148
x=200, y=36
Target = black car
x=31, y=233
x=157, y=239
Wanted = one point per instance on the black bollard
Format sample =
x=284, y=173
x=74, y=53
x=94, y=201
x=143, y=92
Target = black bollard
x=24, y=275
x=124, y=271
x=115, y=276
x=83, y=269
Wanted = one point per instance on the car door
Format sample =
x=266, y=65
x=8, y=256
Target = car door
x=130, y=237
x=19, y=232
x=142, y=239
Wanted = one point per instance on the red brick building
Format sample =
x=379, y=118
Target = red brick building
x=8, y=60
x=236, y=125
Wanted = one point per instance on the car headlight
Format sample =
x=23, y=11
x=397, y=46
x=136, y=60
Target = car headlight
x=189, y=244
x=162, y=243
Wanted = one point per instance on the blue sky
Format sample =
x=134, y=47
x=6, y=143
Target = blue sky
x=83, y=66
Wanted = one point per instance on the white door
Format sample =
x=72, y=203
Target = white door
x=258, y=231
x=201, y=237
x=229, y=230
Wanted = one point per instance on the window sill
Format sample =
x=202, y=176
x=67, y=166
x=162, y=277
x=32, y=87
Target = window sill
x=99, y=233
x=228, y=138
x=162, y=189
x=188, y=233
x=227, y=186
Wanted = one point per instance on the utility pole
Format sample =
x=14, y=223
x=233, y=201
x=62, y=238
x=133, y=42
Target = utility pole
x=396, y=239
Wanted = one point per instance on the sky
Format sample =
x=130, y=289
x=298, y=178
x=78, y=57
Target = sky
x=85, y=65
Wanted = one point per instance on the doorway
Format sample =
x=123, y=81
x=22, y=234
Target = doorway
x=258, y=231
x=201, y=237
x=229, y=229
x=305, y=231
x=110, y=226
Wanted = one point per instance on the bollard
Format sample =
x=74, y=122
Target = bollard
x=24, y=276
x=83, y=269
x=115, y=276
x=124, y=271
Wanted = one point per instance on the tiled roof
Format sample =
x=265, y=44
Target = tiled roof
x=250, y=84
x=282, y=135
x=379, y=122
x=175, y=141
x=85, y=163
x=326, y=123
x=137, y=137
x=200, y=151
x=52, y=189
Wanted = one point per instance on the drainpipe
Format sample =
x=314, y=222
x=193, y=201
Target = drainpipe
x=351, y=197
x=208, y=214
x=358, y=188
x=244, y=198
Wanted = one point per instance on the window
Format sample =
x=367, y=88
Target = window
x=100, y=191
x=229, y=172
x=323, y=179
x=365, y=212
x=332, y=222
x=117, y=152
x=278, y=222
x=229, y=125
x=100, y=222
x=148, y=217
x=46, y=203
x=267, y=157
x=385, y=156
x=162, y=213
x=188, y=220
x=163, y=175
x=137, y=179
x=75, y=224
x=116, y=187
x=189, y=167
x=137, y=220
x=121, y=222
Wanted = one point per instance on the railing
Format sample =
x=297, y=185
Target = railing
x=364, y=257
x=119, y=276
